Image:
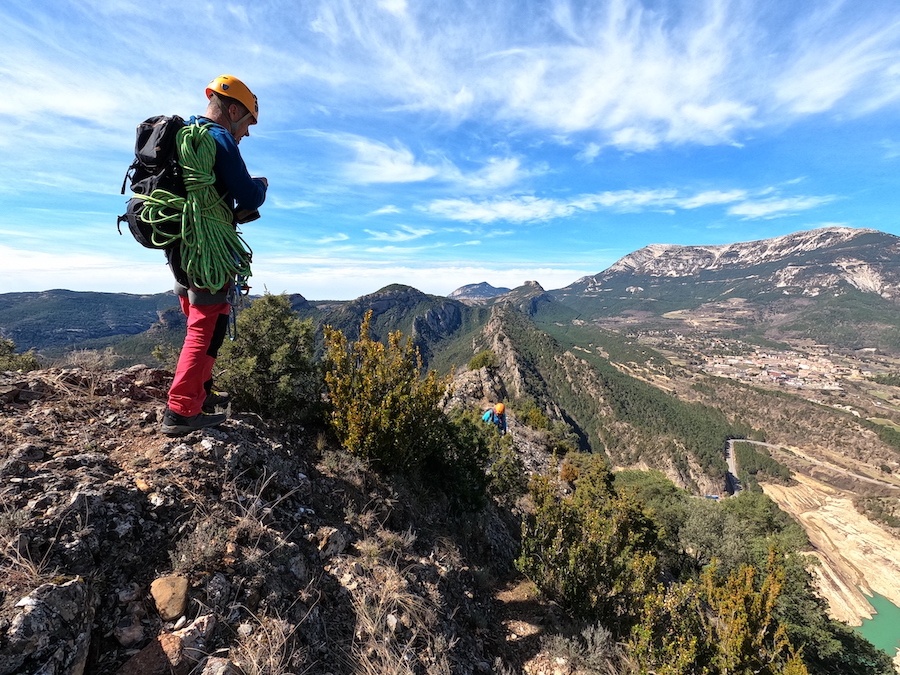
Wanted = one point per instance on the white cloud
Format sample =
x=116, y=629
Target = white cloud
x=403, y=233
x=290, y=205
x=386, y=210
x=334, y=238
x=712, y=197
x=379, y=163
x=842, y=58
x=517, y=210
x=322, y=279
x=397, y=7
x=891, y=149
x=497, y=173
x=528, y=208
x=776, y=208
x=30, y=270
x=589, y=153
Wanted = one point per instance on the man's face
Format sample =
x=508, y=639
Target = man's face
x=241, y=121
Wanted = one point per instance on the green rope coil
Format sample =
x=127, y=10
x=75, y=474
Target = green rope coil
x=212, y=251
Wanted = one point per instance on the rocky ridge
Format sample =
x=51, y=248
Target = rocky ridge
x=818, y=259
x=124, y=551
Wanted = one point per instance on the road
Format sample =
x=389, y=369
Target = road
x=732, y=484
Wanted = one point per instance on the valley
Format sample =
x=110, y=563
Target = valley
x=819, y=409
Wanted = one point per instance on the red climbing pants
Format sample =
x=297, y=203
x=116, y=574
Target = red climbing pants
x=206, y=328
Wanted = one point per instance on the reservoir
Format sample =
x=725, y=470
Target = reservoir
x=883, y=630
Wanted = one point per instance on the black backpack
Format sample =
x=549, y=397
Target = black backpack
x=155, y=166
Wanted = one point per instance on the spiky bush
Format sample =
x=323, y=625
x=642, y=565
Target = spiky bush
x=592, y=551
x=385, y=411
x=483, y=359
x=719, y=623
x=269, y=369
x=380, y=408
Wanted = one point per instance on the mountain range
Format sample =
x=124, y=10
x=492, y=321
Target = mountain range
x=655, y=363
x=834, y=285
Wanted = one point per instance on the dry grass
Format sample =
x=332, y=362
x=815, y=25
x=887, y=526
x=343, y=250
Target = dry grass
x=19, y=566
x=594, y=651
x=241, y=517
x=393, y=625
x=385, y=546
x=265, y=646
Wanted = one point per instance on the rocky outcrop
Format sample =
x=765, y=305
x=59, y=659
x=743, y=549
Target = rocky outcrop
x=126, y=552
x=50, y=631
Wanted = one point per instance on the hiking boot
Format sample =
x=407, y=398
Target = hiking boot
x=174, y=424
x=216, y=400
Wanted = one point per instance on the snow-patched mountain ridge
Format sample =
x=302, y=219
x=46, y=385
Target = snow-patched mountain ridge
x=814, y=260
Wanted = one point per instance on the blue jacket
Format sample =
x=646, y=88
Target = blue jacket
x=492, y=417
x=233, y=181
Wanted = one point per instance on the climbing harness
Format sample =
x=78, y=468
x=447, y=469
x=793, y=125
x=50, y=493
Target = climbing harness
x=213, y=253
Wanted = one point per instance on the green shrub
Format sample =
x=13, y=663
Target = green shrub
x=269, y=369
x=9, y=360
x=380, y=409
x=383, y=411
x=725, y=622
x=591, y=551
x=483, y=359
x=528, y=413
x=457, y=456
x=507, y=476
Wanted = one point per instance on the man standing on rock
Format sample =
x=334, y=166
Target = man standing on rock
x=231, y=110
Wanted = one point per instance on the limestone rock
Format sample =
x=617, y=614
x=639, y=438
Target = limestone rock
x=52, y=633
x=164, y=656
x=170, y=595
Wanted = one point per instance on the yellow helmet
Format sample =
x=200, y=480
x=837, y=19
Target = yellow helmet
x=230, y=86
x=499, y=408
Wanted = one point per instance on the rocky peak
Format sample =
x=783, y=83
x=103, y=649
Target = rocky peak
x=480, y=291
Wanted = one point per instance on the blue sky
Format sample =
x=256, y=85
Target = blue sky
x=439, y=143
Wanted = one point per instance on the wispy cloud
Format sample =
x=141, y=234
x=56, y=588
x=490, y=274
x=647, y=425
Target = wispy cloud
x=333, y=239
x=527, y=208
x=291, y=205
x=891, y=149
x=841, y=57
x=517, y=210
x=415, y=128
x=497, y=173
x=776, y=208
x=387, y=210
x=376, y=162
x=403, y=233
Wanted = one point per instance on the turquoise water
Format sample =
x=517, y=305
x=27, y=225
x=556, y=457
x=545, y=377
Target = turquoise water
x=883, y=630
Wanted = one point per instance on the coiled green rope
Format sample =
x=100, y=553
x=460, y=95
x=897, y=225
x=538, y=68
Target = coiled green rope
x=212, y=251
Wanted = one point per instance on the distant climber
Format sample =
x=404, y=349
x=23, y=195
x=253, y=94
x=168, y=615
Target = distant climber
x=496, y=416
x=231, y=109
